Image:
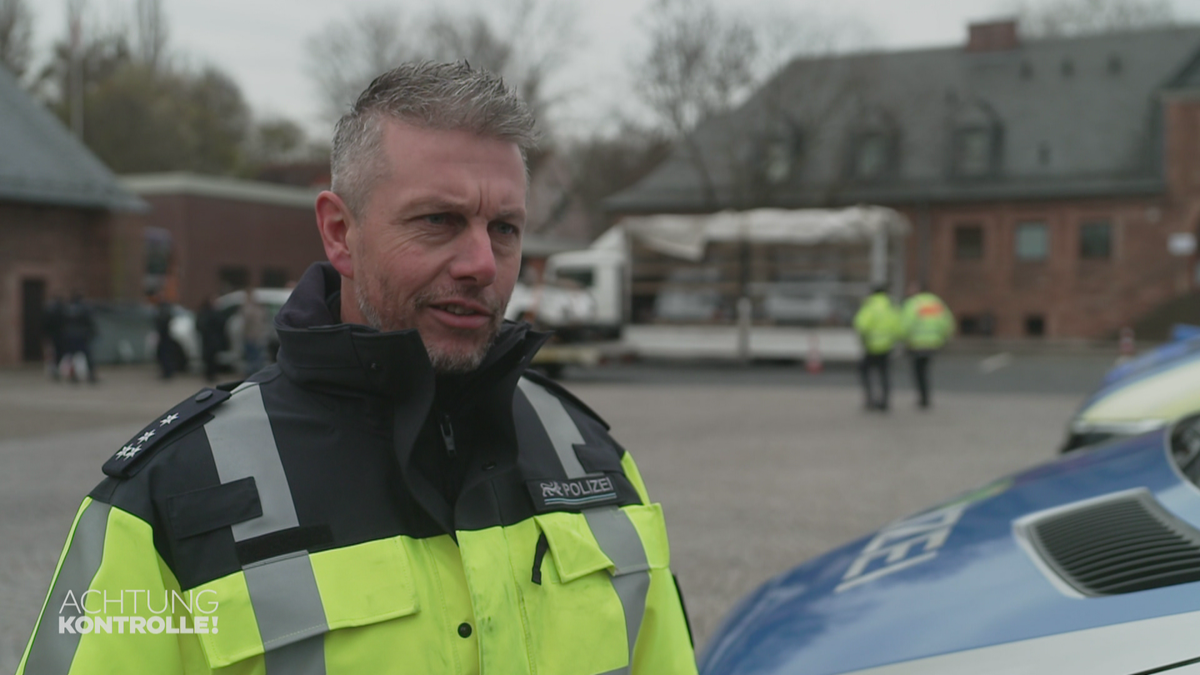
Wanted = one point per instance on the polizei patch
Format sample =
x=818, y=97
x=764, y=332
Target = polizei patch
x=574, y=493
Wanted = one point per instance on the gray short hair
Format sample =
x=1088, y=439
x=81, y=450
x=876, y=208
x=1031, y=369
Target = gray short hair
x=451, y=96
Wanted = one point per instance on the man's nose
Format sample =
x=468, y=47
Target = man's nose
x=474, y=259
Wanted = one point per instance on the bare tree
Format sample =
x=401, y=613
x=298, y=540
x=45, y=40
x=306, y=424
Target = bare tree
x=16, y=36
x=702, y=64
x=601, y=166
x=523, y=40
x=346, y=56
x=698, y=66
x=150, y=33
x=1063, y=18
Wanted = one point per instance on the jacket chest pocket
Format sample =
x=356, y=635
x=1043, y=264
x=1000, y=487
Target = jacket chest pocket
x=594, y=570
x=289, y=610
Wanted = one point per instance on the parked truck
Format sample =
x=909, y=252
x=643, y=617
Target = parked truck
x=759, y=284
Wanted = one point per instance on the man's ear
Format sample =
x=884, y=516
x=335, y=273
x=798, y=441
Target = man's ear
x=336, y=225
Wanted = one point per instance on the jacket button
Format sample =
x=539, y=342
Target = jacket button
x=464, y=630
x=204, y=395
x=376, y=367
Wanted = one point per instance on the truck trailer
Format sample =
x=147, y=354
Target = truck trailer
x=757, y=284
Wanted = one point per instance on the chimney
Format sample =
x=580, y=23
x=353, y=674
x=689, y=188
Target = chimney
x=992, y=36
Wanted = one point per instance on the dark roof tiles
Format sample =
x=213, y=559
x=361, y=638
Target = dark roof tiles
x=1085, y=129
x=41, y=162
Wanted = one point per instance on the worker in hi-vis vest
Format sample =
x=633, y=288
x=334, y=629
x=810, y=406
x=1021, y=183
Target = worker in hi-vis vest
x=879, y=328
x=397, y=495
x=928, y=325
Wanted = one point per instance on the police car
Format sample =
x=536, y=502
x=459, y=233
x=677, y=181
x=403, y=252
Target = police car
x=1142, y=394
x=1089, y=564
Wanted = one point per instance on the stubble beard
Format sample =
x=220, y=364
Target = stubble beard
x=402, y=317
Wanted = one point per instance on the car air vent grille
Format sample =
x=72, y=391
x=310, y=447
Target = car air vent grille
x=1122, y=544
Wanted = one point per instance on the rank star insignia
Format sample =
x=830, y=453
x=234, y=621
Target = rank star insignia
x=146, y=436
x=168, y=419
x=129, y=451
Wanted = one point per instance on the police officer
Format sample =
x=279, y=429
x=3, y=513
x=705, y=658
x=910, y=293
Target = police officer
x=928, y=324
x=879, y=328
x=397, y=494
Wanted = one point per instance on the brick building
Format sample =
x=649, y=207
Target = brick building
x=1054, y=185
x=66, y=225
x=208, y=235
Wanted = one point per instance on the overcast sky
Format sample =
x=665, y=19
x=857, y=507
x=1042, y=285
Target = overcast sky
x=261, y=43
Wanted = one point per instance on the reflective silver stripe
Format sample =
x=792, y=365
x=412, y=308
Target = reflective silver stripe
x=306, y=657
x=619, y=540
x=632, y=589
x=287, y=603
x=559, y=426
x=243, y=445
x=283, y=590
x=51, y=652
x=614, y=531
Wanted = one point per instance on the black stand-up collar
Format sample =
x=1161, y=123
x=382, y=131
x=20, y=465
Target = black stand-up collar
x=318, y=350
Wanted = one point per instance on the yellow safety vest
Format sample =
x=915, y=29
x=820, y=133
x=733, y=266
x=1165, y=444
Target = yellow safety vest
x=580, y=591
x=878, y=323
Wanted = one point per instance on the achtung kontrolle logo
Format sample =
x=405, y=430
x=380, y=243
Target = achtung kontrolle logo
x=179, y=613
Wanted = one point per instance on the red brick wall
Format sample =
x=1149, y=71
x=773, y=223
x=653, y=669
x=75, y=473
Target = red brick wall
x=209, y=233
x=1077, y=297
x=70, y=249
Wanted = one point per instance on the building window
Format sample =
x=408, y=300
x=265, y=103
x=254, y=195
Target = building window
x=872, y=157
x=1033, y=241
x=978, y=325
x=968, y=242
x=1044, y=154
x=1035, y=325
x=274, y=277
x=232, y=278
x=777, y=165
x=973, y=151
x=775, y=157
x=1095, y=240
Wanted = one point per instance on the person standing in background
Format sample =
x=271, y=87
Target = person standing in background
x=52, y=329
x=79, y=329
x=254, y=334
x=928, y=324
x=168, y=349
x=879, y=327
x=211, y=330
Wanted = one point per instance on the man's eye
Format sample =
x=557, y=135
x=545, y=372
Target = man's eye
x=507, y=229
x=438, y=218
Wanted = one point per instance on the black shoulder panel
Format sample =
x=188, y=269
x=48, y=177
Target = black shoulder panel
x=131, y=457
x=562, y=392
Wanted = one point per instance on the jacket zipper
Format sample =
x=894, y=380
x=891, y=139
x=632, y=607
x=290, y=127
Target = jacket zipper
x=448, y=437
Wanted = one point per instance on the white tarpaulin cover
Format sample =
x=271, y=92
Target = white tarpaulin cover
x=685, y=236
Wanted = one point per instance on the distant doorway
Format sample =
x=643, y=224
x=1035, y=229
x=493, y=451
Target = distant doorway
x=33, y=303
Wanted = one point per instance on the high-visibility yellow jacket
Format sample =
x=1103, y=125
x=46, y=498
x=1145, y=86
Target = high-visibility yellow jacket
x=299, y=526
x=878, y=324
x=928, y=323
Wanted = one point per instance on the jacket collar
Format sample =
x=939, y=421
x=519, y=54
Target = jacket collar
x=317, y=349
